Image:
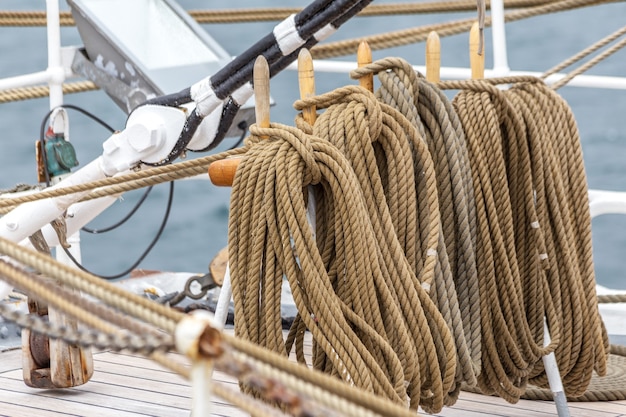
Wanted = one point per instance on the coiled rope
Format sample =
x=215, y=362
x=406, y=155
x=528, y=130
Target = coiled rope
x=527, y=165
x=339, y=296
x=401, y=192
x=431, y=112
x=397, y=175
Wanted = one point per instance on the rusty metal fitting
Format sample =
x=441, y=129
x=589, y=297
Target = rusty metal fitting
x=198, y=335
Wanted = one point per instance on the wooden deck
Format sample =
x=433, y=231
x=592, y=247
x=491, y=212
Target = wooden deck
x=124, y=385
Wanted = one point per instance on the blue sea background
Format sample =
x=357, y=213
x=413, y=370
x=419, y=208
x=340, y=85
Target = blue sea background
x=197, y=227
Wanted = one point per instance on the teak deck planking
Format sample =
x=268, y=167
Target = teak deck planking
x=126, y=385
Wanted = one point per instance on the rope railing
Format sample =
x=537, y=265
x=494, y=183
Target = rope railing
x=419, y=34
x=38, y=18
x=284, y=381
x=525, y=9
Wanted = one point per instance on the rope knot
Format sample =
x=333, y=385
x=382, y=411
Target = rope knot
x=357, y=97
x=302, y=143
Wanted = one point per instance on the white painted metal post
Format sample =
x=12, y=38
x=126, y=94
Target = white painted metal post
x=187, y=336
x=500, y=60
x=55, y=83
x=55, y=70
x=223, y=301
x=554, y=377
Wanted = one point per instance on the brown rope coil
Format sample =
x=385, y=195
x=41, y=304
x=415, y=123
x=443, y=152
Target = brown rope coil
x=403, y=196
x=339, y=295
x=527, y=166
x=428, y=109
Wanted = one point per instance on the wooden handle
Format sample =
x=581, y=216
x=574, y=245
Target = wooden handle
x=477, y=62
x=222, y=173
x=363, y=58
x=217, y=267
x=306, y=80
x=433, y=57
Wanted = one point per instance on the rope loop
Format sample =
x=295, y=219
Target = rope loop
x=366, y=111
x=298, y=139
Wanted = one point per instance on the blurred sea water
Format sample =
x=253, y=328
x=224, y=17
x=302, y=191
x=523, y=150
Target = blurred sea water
x=197, y=227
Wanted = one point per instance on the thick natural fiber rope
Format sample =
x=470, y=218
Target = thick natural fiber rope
x=612, y=298
x=318, y=379
x=130, y=181
x=531, y=255
x=610, y=387
x=391, y=191
x=378, y=142
x=27, y=93
x=428, y=109
x=419, y=34
x=327, y=50
x=38, y=18
x=587, y=65
x=585, y=52
x=146, y=339
x=331, y=285
x=97, y=316
x=565, y=165
x=351, y=359
x=156, y=314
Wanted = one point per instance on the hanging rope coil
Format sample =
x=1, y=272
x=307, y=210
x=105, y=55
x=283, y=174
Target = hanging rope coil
x=566, y=222
x=340, y=349
x=527, y=166
x=332, y=270
x=402, y=205
x=432, y=113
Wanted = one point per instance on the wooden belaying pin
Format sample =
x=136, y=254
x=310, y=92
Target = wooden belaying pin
x=363, y=58
x=433, y=58
x=261, y=77
x=222, y=173
x=477, y=62
x=306, y=81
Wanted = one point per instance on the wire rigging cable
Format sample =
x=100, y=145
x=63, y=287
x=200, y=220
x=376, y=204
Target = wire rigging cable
x=146, y=251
